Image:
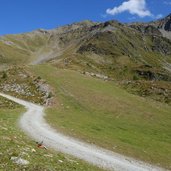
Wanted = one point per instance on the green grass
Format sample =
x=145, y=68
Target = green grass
x=10, y=54
x=101, y=113
x=14, y=143
x=20, y=48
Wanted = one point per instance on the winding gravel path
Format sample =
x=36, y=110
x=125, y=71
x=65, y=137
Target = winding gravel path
x=33, y=123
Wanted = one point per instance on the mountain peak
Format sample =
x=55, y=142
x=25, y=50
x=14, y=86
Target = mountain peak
x=164, y=23
x=169, y=16
x=85, y=23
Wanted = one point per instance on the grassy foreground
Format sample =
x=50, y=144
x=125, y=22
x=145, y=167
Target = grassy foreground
x=14, y=143
x=101, y=113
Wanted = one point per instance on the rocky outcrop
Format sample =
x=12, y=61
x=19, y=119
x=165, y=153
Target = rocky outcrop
x=164, y=23
x=151, y=75
x=147, y=29
x=20, y=83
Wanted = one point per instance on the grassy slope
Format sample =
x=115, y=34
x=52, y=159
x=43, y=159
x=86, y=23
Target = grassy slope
x=15, y=143
x=20, y=48
x=12, y=55
x=99, y=112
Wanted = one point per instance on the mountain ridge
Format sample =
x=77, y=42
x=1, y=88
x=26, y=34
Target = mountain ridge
x=140, y=52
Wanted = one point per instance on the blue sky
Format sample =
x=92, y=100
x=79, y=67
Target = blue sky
x=17, y=16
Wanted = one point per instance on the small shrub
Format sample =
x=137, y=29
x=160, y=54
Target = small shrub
x=50, y=95
x=4, y=75
x=135, y=77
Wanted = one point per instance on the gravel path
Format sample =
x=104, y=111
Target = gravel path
x=33, y=123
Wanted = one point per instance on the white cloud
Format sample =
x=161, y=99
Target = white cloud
x=159, y=16
x=135, y=7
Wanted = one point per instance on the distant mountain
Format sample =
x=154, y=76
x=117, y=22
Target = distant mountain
x=159, y=27
x=164, y=24
x=110, y=38
x=136, y=51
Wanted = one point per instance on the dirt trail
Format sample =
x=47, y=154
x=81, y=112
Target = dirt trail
x=33, y=123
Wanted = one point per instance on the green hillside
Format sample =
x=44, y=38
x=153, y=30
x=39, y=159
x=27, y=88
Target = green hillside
x=105, y=83
x=101, y=113
x=137, y=55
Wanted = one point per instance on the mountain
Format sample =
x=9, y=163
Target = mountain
x=138, y=55
x=164, y=24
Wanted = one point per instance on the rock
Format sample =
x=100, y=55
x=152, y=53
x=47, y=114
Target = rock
x=48, y=155
x=19, y=161
x=100, y=76
x=60, y=161
x=33, y=150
